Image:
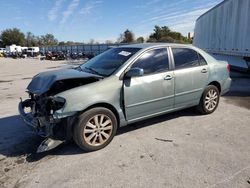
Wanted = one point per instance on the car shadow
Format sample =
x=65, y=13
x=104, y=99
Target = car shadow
x=239, y=94
x=240, y=86
x=16, y=139
x=158, y=119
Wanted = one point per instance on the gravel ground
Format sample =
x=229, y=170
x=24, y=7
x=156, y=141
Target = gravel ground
x=181, y=149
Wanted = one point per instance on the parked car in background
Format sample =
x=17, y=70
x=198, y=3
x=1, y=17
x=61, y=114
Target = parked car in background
x=48, y=56
x=2, y=50
x=32, y=51
x=121, y=86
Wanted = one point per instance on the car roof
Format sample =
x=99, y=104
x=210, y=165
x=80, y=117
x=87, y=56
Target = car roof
x=150, y=45
x=145, y=46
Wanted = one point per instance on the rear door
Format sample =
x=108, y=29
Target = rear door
x=152, y=93
x=191, y=75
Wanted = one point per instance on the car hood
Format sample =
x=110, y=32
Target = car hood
x=42, y=82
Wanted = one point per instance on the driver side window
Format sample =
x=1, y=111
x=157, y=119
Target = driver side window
x=153, y=61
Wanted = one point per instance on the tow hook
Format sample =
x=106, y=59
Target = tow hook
x=49, y=144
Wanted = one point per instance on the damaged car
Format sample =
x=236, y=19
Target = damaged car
x=123, y=85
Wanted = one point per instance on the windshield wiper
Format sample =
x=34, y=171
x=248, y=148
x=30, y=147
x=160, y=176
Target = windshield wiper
x=77, y=68
x=93, y=71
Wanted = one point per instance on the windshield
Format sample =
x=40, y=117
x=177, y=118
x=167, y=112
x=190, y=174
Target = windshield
x=108, y=62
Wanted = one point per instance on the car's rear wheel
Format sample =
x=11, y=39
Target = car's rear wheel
x=209, y=100
x=95, y=129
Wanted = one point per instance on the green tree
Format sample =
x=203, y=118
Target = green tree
x=126, y=37
x=164, y=34
x=1, y=44
x=140, y=40
x=62, y=43
x=12, y=36
x=31, y=40
x=151, y=40
x=48, y=39
x=166, y=39
x=160, y=32
x=120, y=38
x=39, y=41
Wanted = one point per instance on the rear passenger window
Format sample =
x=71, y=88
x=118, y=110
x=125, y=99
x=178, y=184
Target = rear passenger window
x=153, y=61
x=185, y=58
x=202, y=60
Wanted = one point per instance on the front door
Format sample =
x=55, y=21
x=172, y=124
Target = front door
x=152, y=93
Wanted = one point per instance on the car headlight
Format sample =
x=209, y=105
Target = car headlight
x=55, y=103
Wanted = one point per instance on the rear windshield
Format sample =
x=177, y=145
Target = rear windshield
x=108, y=62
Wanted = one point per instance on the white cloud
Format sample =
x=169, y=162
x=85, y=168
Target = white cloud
x=151, y=2
x=163, y=16
x=177, y=19
x=87, y=9
x=187, y=15
x=147, y=4
x=90, y=7
x=53, y=13
x=185, y=22
x=72, y=6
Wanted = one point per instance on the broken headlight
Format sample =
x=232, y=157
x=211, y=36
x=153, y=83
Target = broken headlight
x=55, y=103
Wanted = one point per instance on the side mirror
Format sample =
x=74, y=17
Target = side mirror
x=134, y=72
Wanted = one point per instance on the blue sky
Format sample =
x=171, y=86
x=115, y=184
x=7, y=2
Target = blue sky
x=101, y=20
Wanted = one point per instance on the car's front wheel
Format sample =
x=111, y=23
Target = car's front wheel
x=95, y=129
x=209, y=100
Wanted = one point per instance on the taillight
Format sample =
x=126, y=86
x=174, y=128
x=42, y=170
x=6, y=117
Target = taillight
x=228, y=67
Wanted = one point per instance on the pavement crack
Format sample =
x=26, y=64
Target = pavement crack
x=163, y=140
x=230, y=177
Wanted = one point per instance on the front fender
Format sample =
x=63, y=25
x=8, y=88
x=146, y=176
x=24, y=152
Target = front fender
x=79, y=99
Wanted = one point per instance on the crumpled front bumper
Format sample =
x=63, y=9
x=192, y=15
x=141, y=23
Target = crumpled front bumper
x=33, y=123
x=28, y=117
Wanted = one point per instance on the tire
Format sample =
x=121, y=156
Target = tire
x=95, y=129
x=209, y=100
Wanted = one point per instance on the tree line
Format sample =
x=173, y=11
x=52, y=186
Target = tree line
x=159, y=34
x=15, y=36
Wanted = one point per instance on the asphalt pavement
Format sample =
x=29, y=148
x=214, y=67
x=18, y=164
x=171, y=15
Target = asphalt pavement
x=181, y=149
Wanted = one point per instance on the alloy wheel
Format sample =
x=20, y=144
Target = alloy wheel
x=98, y=130
x=211, y=99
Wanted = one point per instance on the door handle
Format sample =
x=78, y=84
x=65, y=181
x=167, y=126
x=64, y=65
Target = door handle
x=168, y=77
x=204, y=70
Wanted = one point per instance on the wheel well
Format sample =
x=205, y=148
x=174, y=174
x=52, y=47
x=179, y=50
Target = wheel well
x=217, y=84
x=72, y=120
x=108, y=106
